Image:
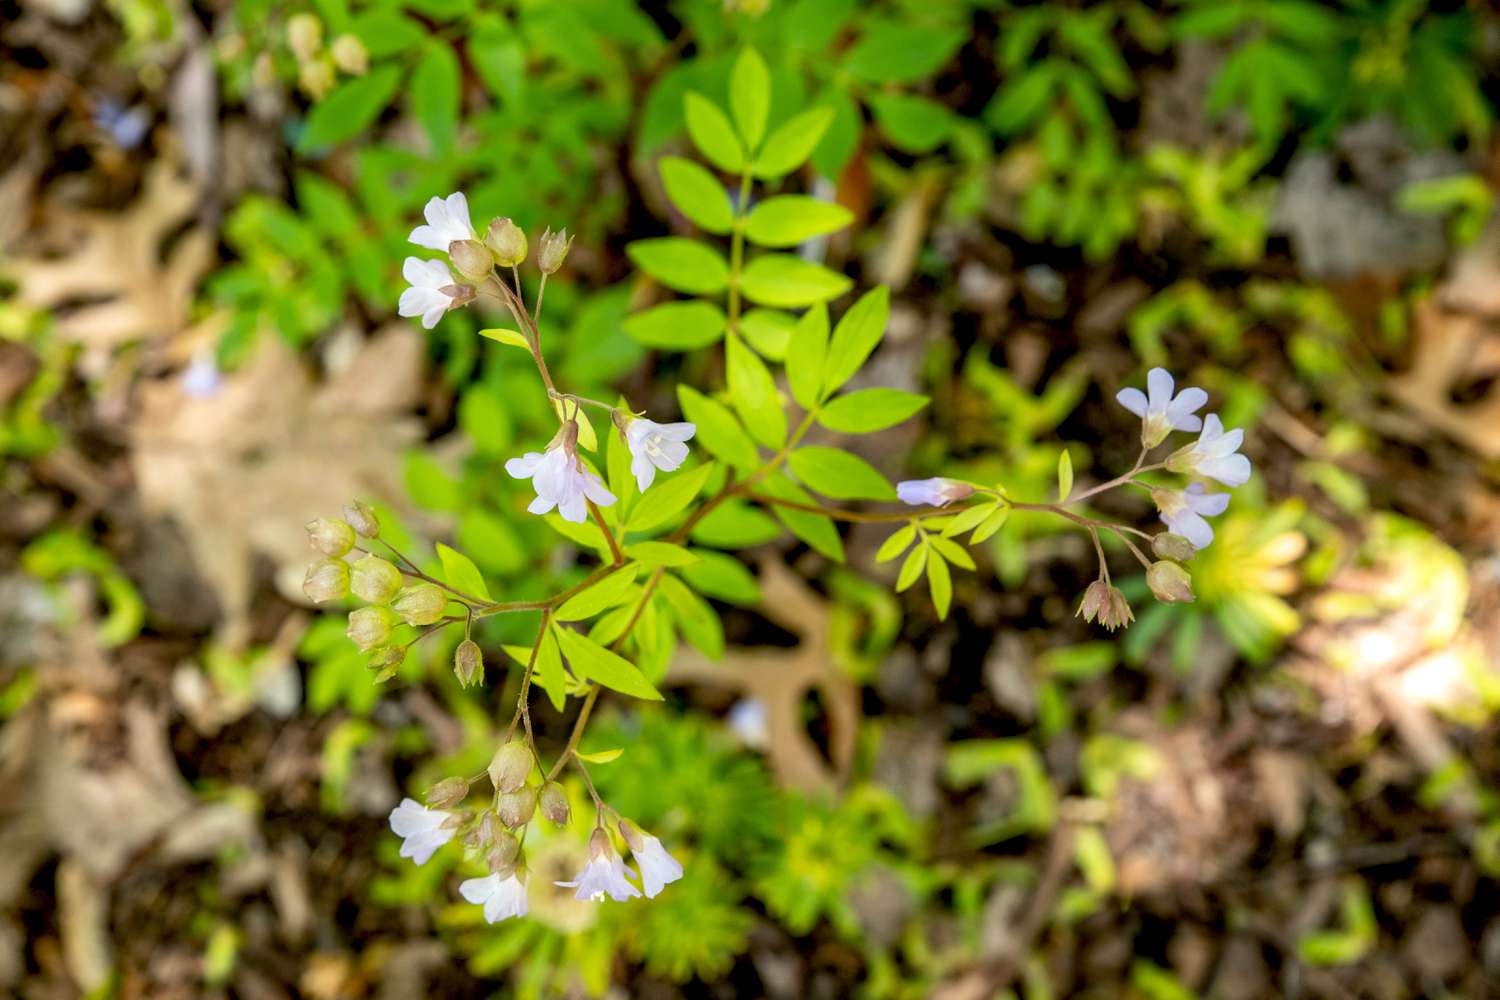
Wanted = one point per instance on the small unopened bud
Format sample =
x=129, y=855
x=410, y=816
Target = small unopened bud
x=631, y=834
x=420, y=604
x=315, y=78
x=600, y=846
x=385, y=661
x=326, y=580
x=1170, y=546
x=1169, y=582
x=511, y=766
x=304, y=36
x=553, y=803
x=504, y=852
x=468, y=663
x=516, y=808
x=461, y=295
x=371, y=627
x=1117, y=613
x=553, y=251
x=330, y=536
x=1095, y=600
x=361, y=517
x=447, y=793
x=350, y=55
x=507, y=241
x=471, y=259
x=374, y=580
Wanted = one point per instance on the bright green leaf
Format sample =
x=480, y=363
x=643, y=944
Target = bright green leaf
x=697, y=194
x=718, y=430
x=712, y=133
x=839, y=474
x=683, y=264
x=722, y=576
x=612, y=590
x=677, y=326
x=790, y=219
x=753, y=393
x=668, y=497
x=593, y=662
x=750, y=97
x=866, y=410
x=792, y=143
x=805, y=357
x=855, y=337
x=460, y=573
x=786, y=281
x=350, y=109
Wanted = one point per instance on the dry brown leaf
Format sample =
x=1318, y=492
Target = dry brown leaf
x=242, y=469
x=1452, y=349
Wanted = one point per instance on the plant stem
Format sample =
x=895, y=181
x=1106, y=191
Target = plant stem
x=609, y=536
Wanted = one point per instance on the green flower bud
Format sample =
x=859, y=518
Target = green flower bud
x=511, y=766
x=330, y=536
x=447, y=793
x=326, y=580
x=420, y=604
x=504, y=853
x=385, y=661
x=471, y=259
x=315, y=78
x=362, y=519
x=1169, y=582
x=371, y=627
x=468, y=663
x=516, y=808
x=553, y=251
x=1169, y=546
x=553, y=803
x=507, y=241
x=304, y=36
x=375, y=580
x=1095, y=600
x=350, y=55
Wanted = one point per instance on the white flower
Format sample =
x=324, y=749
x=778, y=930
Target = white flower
x=1161, y=413
x=500, y=897
x=657, y=866
x=604, y=875
x=433, y=291
x=937, y=492
x=422, y=830
x=656, y=446
x=560, y=481
x=1213, y=455
x=1183, y=512
x=447, y=220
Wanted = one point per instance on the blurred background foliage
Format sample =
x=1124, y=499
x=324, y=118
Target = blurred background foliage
x=1286, y=788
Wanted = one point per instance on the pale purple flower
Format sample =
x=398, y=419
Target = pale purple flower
x=936, y=492
x=501, y=897
x=658, y=868
x=447, y=220
x=656, y=446
x=433, y=291
x=1162, y=413
x=560, y=481
x=1183, y=512
x=421, y=830
x=1213, y=455
x=604, y=875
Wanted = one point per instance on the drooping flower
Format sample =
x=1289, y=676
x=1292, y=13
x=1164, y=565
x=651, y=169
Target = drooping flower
x=656, y=446
x=935, y=492
x=422, y=830
x=604, y=875
x=1183, y=512
x=447, y=220
x=501, y=897
x=1213, y=455
x=1162, y=413
x=560, y=480
x=433, y=291
x=658, y=868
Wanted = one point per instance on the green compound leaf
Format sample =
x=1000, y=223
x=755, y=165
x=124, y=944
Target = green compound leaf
x=735, y=525
x=697, y=194
x=668, y=498
x=593, y=662
x=912, y=568
x=896, y=544
x=608, y=592
x=677, y=326
x=838, y=474
x=867, y=410
x=754, y=393
x=790, y=145
x=769, y=331
x=750, y=97
x=682, y=264
x=718, y=431
x=460, y=573
x=806, y=356
x=790, y=219
x=856, y=335
x=712, y=133
x=939, y=583
x=660, y=554
x=786, y=281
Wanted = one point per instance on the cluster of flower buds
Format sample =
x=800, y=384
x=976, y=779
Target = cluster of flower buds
x=316, y=64
x=495, y=836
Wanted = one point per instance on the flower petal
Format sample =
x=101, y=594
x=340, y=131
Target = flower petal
x=1133, y=400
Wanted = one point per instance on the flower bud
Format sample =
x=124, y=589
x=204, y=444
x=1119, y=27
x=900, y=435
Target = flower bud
x=516, y=808
x=1171, y=546
x=304, y=36
x=315, y=78
x=330, y=536
x=553, y=803
x=326, y=580
x=420, y=604
x=386, y=661
x=1169, y=582
x=447, y=793
x=374, y=580
x=1116, y=613
x=362, y=519
x=504, y=852
x=468, y=663
x=553, y=251
x=1095, y=600
x=507, y=241
x=511, y=766
x=371, y=627
x=471, y=259
x=350, y=55
x=631, y=834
